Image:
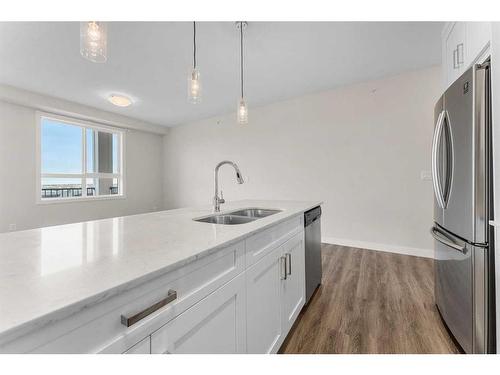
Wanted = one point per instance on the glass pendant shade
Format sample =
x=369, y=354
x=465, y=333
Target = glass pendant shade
x=242, y=112
x=194, y=86
x=94, y=41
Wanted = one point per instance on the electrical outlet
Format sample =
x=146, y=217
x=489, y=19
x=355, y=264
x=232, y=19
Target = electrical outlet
x=426, y=176
x=12, y=227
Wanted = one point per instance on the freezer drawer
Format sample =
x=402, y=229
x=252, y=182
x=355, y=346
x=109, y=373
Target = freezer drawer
x=453, y=290
x=461, y=290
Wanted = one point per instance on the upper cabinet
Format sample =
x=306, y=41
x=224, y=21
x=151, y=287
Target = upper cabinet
x=454, y=48
x=463, y=43
x=478, y=39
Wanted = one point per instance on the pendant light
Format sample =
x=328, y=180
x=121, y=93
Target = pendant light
x=94, y=41
x=194, y=84
x=242, y=110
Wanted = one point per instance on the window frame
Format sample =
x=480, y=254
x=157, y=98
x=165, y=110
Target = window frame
x=84, y=125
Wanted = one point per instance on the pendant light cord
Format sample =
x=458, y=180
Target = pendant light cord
x=194, y=44
x=241, y=57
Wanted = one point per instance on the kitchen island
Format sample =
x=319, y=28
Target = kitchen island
x=155, y=283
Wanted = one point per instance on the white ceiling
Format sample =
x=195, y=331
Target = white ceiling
x=150, y=61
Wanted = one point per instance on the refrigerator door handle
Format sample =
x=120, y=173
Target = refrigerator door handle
x=438, y=191
x=446, y=240
x=449, y=160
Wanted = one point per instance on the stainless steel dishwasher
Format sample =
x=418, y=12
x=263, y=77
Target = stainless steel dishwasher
x=312, y=228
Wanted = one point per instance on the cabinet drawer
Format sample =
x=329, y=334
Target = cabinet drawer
x=99, y=328
x=264, y=242
x=216, y=324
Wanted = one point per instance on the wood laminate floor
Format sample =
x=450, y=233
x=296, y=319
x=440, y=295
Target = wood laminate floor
x=371, y=302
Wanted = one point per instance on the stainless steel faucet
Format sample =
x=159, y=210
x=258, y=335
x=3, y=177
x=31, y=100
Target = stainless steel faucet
x=218, y=201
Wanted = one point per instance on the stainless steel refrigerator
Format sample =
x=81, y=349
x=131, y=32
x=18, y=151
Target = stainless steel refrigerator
x=463, y=240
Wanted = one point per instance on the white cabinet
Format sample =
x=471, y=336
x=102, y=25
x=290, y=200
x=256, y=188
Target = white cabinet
x=293, y=287
x=275, y=295
x=455, y=52
x=478, y=38
x=142, y=347
x=464, y=44
x=216, y=324
x=264, y=317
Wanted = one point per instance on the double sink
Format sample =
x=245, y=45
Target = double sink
x=241, y=216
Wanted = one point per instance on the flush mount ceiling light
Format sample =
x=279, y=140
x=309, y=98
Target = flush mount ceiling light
x=94, y=41
x=242, y=111
x=119, y=100
x=194, y=84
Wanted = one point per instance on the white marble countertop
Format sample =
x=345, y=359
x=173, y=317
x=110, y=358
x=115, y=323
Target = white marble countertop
x=49, y=273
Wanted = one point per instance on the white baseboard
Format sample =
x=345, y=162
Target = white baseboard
x=414, y=251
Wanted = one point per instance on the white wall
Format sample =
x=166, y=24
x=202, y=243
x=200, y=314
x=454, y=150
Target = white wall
x=495, y=92
x=143, y=166
x=359, y=148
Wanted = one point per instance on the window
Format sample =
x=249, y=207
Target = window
x=78, y=160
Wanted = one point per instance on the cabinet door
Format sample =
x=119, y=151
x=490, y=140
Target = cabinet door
x=142, y=347
x=455, y=52
x=293, y=287
x=216, y=324
x=264, y=326
x=478, y=37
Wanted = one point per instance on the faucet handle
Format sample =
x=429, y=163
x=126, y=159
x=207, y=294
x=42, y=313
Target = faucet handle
x=222, y=200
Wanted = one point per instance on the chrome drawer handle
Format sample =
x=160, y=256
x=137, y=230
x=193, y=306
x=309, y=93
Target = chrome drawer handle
x=460, y=61
x=288, y=263
x=128, y=321
x=283, y=267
